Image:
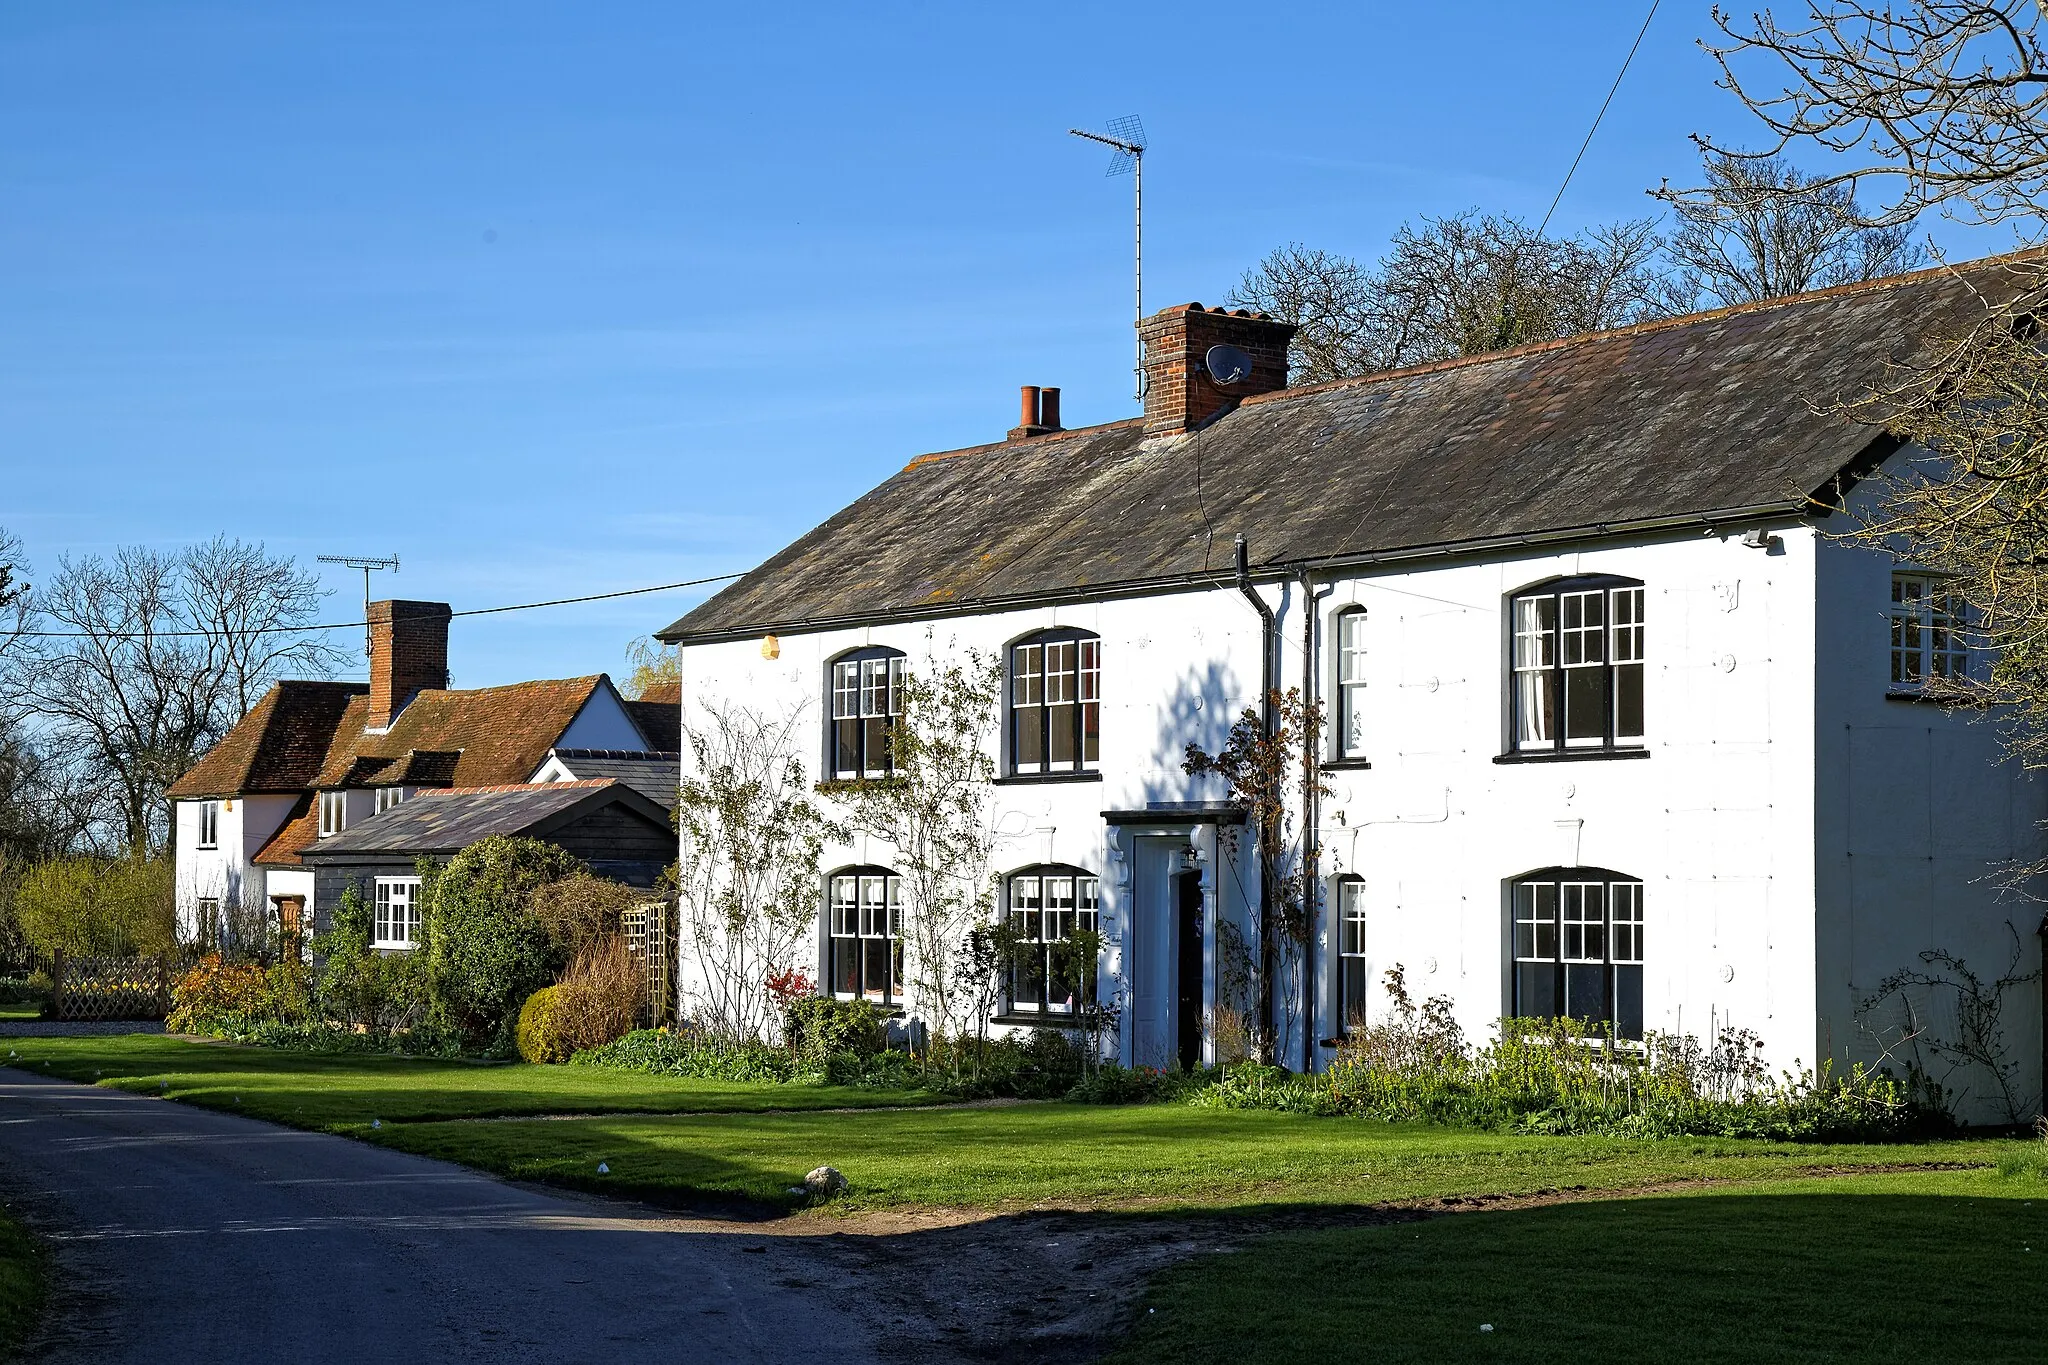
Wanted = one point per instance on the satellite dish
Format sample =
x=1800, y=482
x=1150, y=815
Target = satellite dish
x=1227, y=365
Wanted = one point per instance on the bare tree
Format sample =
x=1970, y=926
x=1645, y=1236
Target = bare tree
x=1761, y=229
x=1943, y=102
x=752, y=843
x=1459, y=285
x=142, y=661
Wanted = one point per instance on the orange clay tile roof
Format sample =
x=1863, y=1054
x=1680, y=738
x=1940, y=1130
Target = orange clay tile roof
x=277, y=747
x=482, y=737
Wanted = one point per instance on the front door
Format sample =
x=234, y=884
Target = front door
x=1188, y=992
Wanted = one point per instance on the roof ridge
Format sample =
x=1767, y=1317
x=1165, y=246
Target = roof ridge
x=429, y=792
x=1651, y=325
x=1031, y=442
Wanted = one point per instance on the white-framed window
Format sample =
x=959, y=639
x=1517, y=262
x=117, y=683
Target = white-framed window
x=1350, y=625
x=867, y=700
x=1055, y=703
x=209, y=824
x=1928, y=633
x=396, y=923
x=1048, y=907
x=1578, y=948
x=866, y=923
x=387, y=797
x=1576, y=667
x=1353, y=979
x=333, y=813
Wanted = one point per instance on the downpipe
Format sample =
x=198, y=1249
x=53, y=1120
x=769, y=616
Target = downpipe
x=1269, y=640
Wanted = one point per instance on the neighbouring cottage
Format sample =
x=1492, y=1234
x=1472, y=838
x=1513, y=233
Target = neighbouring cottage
x=1618, y=729
x=316, y=764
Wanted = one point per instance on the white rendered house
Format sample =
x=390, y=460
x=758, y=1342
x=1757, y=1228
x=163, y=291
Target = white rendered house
x=1617, y=728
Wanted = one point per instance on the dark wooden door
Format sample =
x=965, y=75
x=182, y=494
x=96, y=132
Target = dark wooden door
x=1188, y=953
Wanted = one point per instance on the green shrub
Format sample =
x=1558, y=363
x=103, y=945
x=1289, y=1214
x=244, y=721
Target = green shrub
x=359, y=986
x=422, y=1040
x=818, y=1026
x=540, y=1035
x=1112, y=1084
x=118, y=907
x=227, y=999
x=689, y=1054
x=485, y=950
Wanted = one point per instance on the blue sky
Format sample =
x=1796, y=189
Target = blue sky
x=552, y=300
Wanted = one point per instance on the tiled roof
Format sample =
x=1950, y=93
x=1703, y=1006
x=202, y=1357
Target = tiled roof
x=655, y=775
x=497, y=734
x=659, y=718
x=277, y=747
x=446, y=821
x=1695, y=417
x=298, y=831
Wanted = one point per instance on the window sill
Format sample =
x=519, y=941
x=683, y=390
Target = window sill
x=1572, y=756
x=1341, y=765
x=886, y=1011
x=1040, y=779
x=1038, y=1020
x=207, y=848
x=1925, y=699
x=841, y=786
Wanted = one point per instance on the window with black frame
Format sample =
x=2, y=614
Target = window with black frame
x=865, y=938
x=1350, y=728
x=1353, y=971
x=867, y=700
x=1578, y=941
x=1048, y=907
x=1575, y=668
x=1055, y=703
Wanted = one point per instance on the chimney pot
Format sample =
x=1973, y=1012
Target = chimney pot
x=408, y=655
x=1049, y=409
x=1029, y=417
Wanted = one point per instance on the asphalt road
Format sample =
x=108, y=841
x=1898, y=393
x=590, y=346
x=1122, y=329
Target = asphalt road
x=184, y=1235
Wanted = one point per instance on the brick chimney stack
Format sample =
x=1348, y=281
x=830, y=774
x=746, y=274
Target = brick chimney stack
x=1180, y=393
x=408, y=655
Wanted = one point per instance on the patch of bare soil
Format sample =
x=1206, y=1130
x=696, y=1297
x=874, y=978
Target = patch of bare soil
x=1058, y=1285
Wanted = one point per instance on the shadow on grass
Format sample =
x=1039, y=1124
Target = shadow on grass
x=1852, y=1273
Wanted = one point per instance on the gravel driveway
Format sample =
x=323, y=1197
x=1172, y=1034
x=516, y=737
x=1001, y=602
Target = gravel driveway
x=184, y=1235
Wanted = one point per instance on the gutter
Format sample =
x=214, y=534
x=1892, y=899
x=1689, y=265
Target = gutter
x=1269, y=632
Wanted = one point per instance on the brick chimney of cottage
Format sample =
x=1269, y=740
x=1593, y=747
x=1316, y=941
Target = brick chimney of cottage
x=408, y=655
x=1181, y=395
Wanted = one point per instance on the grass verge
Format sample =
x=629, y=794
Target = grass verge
x=1898, y=1267
x=342, y=1092
x=21, y=1285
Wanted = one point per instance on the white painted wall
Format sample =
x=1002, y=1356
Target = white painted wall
x=602, y=724
x=227, y=871
x=1766, y=718
x=1915, y=812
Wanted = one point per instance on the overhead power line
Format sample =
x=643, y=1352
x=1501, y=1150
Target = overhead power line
x=1599, y=116
x=351, y=625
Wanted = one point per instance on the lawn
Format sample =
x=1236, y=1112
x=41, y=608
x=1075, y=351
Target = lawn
x=677, y=1141
x=21, y=1284
x=327, y=1091
x=1884, y=1268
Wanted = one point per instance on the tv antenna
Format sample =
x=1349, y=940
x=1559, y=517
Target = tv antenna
x=368, y=565
x=1126, y=141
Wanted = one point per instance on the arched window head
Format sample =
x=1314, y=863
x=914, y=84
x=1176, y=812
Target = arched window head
x=864, y=934
x=1349, y=629
x=1578, y=946
x=1575, y=666
x=1055, y=685
x=1054, y=916
x=866, y=690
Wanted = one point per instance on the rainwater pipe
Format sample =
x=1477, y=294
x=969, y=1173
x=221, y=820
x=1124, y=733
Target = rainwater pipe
x=1311, y=843
x=1268, y=683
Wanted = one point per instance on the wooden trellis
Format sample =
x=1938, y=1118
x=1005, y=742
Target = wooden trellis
x=90, y=988
x=650, y=929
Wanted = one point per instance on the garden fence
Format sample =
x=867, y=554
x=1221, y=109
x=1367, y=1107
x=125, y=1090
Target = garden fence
x=651, y=936
x=88, y=987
